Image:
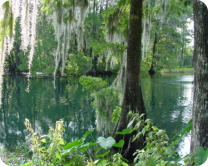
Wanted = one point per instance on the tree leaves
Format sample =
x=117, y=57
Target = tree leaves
x=106, y=143
x=201, y=156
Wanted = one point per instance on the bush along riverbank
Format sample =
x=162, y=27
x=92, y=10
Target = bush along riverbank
x=53, y=150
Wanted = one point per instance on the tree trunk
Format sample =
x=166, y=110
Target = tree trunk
x=199, y=135
x=132, y=100
x=181, y=57
x=94, y=65
x=106, y=5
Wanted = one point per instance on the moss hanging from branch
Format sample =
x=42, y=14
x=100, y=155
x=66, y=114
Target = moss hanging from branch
x=68, y=18
x=27, y=11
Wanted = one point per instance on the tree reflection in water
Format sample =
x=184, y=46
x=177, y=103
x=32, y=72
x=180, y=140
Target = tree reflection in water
x=43, y=106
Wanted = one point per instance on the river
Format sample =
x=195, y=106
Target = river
x=168, y=101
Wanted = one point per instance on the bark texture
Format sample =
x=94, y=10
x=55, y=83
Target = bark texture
x=199, y=135
x=132, y=100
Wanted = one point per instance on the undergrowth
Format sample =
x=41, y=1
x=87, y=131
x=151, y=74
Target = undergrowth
x=53, y=150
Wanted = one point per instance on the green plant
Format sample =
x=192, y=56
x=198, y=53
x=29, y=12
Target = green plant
x=46, y=45
x=78, y=64
x=23, y=66
x=156, y=152
x=118, y=160
x=92, y=83
x=201, y=156
x=77, y=151
x=51, y=149
x=105, y=99
x=116, y=114
x=46, y=150
x=177, y=138
x=106, y=143
x=145, y=65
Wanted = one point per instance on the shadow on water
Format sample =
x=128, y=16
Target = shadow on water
x=43, y=106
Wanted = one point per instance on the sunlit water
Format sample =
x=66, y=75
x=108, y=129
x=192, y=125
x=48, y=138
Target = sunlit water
x=169, y=104
x=168, y=101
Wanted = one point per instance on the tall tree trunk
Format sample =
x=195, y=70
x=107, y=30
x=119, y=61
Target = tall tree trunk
x=94, y=65
x=94, y=6
x=132, y=100
x=199, y=135
x=181, y=57
x=106, y=5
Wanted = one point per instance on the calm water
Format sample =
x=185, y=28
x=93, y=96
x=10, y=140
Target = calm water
x=168, y=101
x=169, y=104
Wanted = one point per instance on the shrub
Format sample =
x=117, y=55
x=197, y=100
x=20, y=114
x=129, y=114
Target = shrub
x=92, y=83
x=51, y=149
x=78, y=64
x=46, y=150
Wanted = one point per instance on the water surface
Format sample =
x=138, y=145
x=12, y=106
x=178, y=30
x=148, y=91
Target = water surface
x=43, y=105
x=168, y=101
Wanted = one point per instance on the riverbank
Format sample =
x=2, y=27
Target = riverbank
x=177, y=70
x=49, y=75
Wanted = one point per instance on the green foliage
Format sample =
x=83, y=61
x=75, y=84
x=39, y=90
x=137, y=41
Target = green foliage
x=23, y=66
x=16, y=60
x=52, y=150
x=116, y=114
x=178, y=70
x=92, y=83
x=186, y=130
x=46, y=150
x=8, y=20
x=200, y=156
x=188, y=57
x=106, y=143
x=145, y=65
x=116, y=19
x=104, y=50
x=170, y=34
x=93, y=29
x=78, y=64
x=75, y=152
x=43, y=60
x=118, y=160
x=105, y=100
x=156, y=151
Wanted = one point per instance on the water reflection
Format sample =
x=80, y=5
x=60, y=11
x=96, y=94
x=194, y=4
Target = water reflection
x=43, y=106
x=170, y=104
x=168, y=101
